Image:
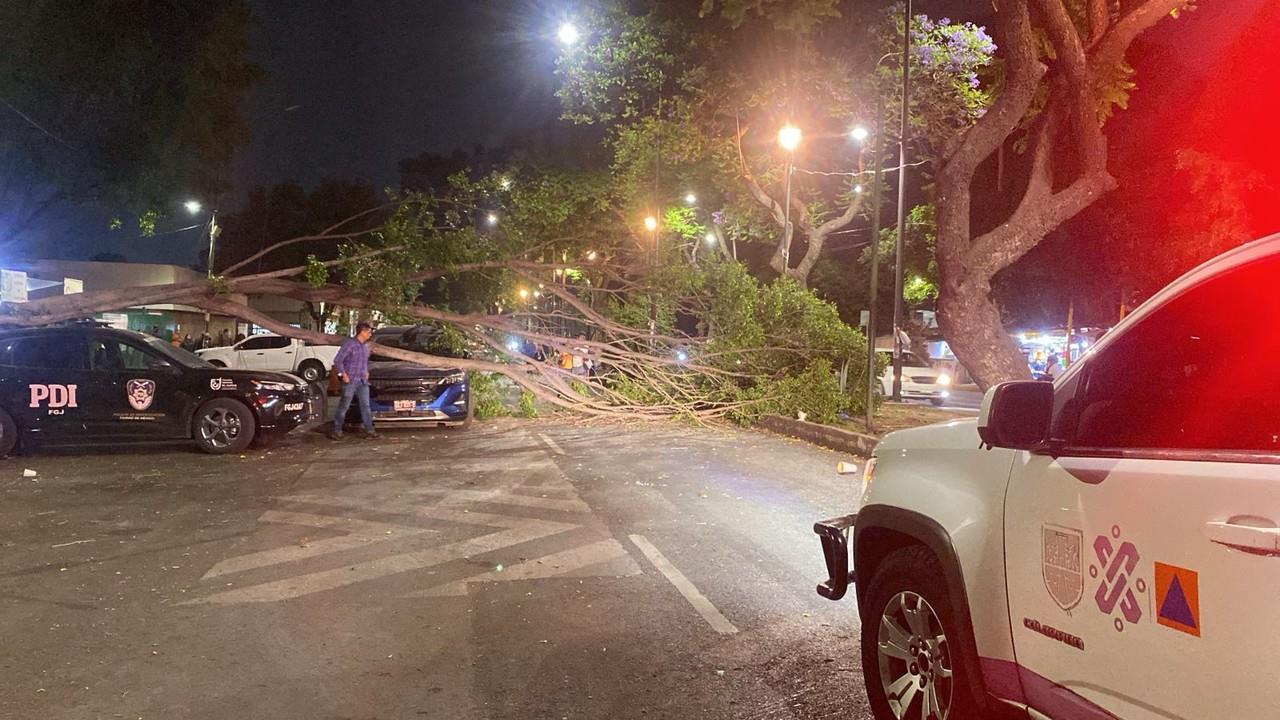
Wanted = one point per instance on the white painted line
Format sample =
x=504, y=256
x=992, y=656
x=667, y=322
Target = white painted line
x=360, y=533
x=520, y=531
x=552, y=444
x=455, y=498
x=699, y=601
x=547, y=566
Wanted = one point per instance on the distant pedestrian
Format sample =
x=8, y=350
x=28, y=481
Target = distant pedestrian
x=1051, y=367
x=188, y=344
x=224, y=338
x=351, y=365
x=239, y=338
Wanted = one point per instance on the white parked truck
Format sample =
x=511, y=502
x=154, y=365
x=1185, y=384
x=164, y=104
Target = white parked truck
x=276, y=353
x=1104, y=546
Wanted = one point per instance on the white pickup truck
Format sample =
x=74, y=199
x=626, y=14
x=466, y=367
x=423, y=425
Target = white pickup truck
x=276, y=353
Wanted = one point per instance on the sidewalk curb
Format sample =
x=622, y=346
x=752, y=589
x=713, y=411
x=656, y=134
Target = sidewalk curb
x=833, y=438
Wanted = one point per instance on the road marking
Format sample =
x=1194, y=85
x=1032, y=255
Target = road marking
x=505, y=497
x=718, y=622
x=360, y=533
x=552, y=444
x=548, y=566
x=522, y=531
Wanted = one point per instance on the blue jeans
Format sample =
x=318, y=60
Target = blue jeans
x=359, y=389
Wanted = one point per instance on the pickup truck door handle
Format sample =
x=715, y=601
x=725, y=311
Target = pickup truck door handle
x=1255, y=537
x=288, y=352
x=259, y=353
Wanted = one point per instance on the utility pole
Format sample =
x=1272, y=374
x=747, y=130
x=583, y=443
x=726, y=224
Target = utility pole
x=873, y=380
x=898, y=304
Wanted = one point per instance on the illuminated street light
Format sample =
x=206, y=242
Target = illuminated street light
x=193, y=206
x=711, y=238
x=789, y=137
x=568, y=34
x=859, y=134
x=857, y=189
x=651, y=223
x=537, y=294
x=691, y=199
x=591, y=255
x=524, y=293
x=492, y=219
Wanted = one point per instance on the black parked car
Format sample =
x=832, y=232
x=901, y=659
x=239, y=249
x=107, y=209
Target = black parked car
x=86, y=385
x=405, y=393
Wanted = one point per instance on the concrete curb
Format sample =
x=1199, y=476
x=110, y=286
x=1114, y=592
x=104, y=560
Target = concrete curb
x=836, y=439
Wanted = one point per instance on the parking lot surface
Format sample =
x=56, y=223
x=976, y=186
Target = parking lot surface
x=522, y=569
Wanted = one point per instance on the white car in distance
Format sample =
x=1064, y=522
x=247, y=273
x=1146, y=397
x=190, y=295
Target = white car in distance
x=920, y=380
x=275, y=353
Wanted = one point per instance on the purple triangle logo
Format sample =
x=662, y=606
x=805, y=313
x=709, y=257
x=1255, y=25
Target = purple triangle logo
x=1175, y=607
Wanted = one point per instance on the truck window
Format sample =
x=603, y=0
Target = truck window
x=265, y=342
x=1196, y=374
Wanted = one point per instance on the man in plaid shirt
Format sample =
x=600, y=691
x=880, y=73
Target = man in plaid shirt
x=352, y=366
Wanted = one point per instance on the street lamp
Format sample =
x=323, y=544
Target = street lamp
x=524, y=293
x=711, y=238
x=568, y=34
x=193, y=206
x=492, y=219
x=859, y=134
x=789, y=138
x=651, y=223
x=691, y=199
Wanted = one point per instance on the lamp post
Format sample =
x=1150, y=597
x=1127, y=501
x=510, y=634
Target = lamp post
x=789, y=138
x=195, y=207
x=651, y=224
x=898, y=306
x=876, y=183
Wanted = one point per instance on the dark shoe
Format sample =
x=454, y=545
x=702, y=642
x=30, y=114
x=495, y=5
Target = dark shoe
x=333, y=435
x=369, y=435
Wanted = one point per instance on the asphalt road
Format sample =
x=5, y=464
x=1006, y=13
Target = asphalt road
x=516, y=570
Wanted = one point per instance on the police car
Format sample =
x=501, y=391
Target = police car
x=82, y=385
x=1104, y=546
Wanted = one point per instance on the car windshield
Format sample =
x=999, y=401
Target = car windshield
x=417, y=339
x=176, y=355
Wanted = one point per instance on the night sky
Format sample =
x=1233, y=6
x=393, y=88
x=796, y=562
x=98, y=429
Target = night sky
x=355, y=87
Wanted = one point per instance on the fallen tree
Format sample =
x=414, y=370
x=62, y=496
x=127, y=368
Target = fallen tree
x=749, y=348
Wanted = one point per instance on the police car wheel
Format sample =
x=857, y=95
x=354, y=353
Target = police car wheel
x=938, y=402
x=223, y=426
x=8, y=433
x=912, y=659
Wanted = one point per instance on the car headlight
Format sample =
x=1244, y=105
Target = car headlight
x=272, y=386
x=868, y=473
x=944, y=379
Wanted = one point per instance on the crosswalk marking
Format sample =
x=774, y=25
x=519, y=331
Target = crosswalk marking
x=360, y=533
x=554, y=565
x=717, y=621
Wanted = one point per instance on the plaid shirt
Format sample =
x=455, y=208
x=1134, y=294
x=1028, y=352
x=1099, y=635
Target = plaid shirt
x=353, y=360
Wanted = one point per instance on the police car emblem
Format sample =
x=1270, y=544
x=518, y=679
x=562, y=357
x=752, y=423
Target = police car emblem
x=141, y=393
x=1062, y=565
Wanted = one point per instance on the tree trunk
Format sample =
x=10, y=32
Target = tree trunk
x=970, y=321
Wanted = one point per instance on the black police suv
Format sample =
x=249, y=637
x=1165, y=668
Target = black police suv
x=89, y=385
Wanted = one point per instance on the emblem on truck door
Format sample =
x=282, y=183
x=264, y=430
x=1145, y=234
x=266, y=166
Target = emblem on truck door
x=141, y=393
x=1062, y=564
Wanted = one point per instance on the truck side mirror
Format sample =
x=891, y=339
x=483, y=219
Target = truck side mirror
x=1016, y=415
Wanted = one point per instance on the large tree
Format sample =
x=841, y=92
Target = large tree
x=1065, y=72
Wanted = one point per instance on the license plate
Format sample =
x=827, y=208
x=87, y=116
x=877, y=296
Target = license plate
x=402, y=405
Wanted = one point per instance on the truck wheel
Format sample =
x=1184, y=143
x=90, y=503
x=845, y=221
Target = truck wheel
x=222, y=426
x=912, y=657
x=311, y=371
x=8, y=433
x=938, y=402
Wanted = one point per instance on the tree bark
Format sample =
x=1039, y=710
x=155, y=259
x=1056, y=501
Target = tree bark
x=1069, y=124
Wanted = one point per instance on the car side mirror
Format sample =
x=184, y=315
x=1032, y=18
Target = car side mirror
x=1016, y=415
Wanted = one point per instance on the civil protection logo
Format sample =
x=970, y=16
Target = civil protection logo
x=141, y=393
x=1061, y=554
x=1118, y=590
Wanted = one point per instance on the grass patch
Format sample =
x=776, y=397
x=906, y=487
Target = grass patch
x=900, y=416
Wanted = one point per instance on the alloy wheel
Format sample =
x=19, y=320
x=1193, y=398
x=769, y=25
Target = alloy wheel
x=914, y=660
x=220, y=427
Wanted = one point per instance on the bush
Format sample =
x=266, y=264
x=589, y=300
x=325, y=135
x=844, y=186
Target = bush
x=485, y=397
